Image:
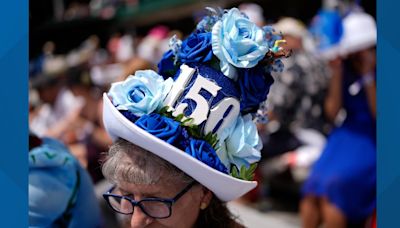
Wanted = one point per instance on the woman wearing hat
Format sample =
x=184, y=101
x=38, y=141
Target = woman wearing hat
x=341, y=189
x=185, y=141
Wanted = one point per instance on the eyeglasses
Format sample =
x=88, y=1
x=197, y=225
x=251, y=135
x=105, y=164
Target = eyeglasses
x=157, y=208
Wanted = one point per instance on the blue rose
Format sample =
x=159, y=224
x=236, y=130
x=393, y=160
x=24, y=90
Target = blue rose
x=240, y=144
x=166, y=66
x=140, y=94
x=183, y=140
x=204, y=152
x=196, y=48
x=160, y=126
x=130, y=116
x=254, y=86
x=237, y=42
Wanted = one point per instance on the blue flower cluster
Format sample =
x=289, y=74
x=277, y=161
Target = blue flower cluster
x=140, y=96
x=173, y=133
x=229, y=39
x=228, y=42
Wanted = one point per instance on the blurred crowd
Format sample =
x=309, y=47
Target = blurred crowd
x=319, y=153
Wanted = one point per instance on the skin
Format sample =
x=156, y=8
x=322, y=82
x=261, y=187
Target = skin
x=184, y=212
x=310, y=211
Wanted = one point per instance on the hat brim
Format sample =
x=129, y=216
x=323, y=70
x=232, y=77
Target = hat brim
x=354, y=45
x=224, y=186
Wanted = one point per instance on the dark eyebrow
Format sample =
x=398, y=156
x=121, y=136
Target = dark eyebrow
x=123, y=192
x=145, y=195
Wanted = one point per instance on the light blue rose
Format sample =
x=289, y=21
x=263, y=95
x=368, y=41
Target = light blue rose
x=240, y=144
x=140, y=94
x=237, y=42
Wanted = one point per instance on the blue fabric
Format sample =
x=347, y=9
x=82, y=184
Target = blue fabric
x=141, y=94
x=228, y=87
x=204, y=152
x=196, y=48
x=327, y=29
x=166, y=66
x=54, y=175
x=346, y=170
x=160, y=126
x=254, y=86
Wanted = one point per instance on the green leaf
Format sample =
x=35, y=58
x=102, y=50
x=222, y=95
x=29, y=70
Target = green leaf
x=214, y=140
x=179, y=117
x=193, y=130
x=163, y=110
x=243, y=172
x=208, y=137
x=187, y=122
x=234, y=171
x=252, y=168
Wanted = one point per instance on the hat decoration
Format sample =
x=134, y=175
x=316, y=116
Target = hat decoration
x=327, y=30
x=204, y=99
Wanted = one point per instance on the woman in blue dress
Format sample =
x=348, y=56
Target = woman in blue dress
x=341, y=188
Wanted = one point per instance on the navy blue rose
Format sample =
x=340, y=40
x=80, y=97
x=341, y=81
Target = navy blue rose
x=196, y=48
x=166, y=66
x=160, y=126
x=183, y=140
x=204, y=152
x=254, y=86
x=129, y=115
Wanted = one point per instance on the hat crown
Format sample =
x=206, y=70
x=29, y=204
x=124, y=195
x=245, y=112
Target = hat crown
x=359, y=32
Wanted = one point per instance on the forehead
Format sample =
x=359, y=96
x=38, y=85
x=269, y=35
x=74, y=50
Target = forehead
x=155, y=190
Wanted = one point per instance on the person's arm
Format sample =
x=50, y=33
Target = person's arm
x=370, y=90
x=367, y=68
x=333, y=100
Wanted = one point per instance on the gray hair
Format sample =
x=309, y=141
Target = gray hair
x=130, y=163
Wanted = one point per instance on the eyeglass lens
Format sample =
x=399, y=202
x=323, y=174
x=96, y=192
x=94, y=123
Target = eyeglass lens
x=155, y=209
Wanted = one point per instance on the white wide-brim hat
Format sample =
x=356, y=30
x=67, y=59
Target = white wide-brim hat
x=224, y=186
x=359, y=33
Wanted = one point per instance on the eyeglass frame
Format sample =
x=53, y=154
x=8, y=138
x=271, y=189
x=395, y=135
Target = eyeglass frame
x=167, y=201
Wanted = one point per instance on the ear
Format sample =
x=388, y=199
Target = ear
x=206, y=198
